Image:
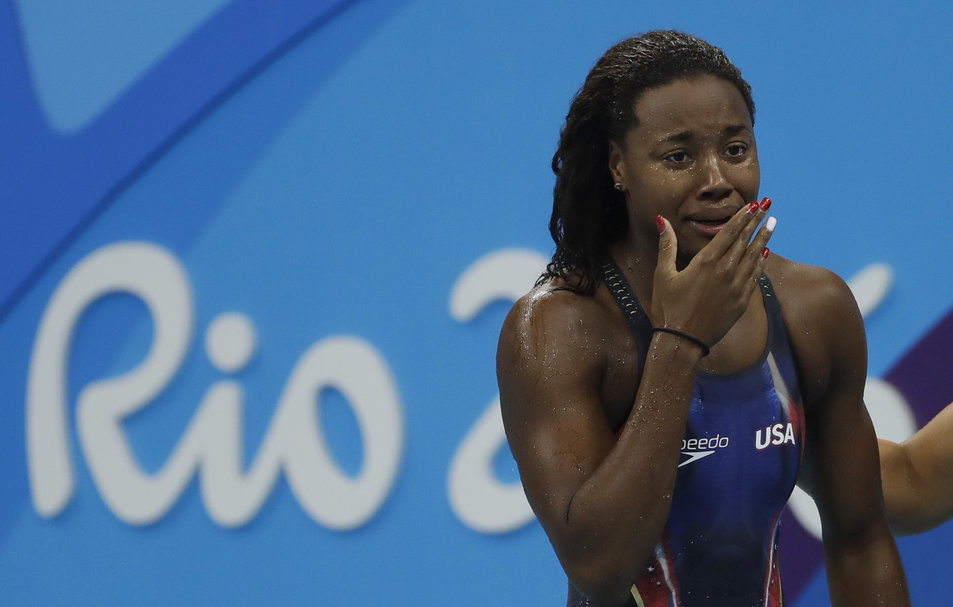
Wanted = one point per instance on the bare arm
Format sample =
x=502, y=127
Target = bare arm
x=841, y=464
x=917, y=476
x=603, y=498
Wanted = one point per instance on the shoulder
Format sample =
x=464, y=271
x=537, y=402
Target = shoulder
x=810, y=285
x=557, y=339
x=552, y=350
x=550, y=318
x=825, y=327
x=810, y=296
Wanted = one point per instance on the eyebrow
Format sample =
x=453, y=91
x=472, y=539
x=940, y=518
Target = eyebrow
x=682, y=136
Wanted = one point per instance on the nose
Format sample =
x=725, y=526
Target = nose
x=714, y=184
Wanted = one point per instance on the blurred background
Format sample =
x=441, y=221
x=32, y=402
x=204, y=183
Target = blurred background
x=255, y=254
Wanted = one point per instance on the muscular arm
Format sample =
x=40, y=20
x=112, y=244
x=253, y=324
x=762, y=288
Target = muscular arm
x=917, y=477
x=841, y=463
x=602, y=500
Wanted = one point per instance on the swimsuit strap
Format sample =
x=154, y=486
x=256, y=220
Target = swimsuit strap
x=777, y=331
x=638, y=320
x=635, y=316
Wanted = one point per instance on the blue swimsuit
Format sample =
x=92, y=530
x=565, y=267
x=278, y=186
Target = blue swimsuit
x=740, y=454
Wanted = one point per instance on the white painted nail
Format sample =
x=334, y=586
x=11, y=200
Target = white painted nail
x=770, y=224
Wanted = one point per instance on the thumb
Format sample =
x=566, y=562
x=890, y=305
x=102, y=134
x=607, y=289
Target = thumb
x=667, y=245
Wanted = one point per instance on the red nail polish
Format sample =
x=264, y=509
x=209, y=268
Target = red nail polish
x=660, y=223
x=765, y=203
x=753, y=207
x=765, y=253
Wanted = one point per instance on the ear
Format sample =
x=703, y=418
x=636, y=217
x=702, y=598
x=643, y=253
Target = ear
x=616, y=162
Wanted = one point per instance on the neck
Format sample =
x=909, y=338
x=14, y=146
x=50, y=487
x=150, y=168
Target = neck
x=637, y=264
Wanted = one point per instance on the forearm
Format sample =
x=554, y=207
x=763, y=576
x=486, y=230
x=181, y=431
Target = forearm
x=618, y=514
x=918, y=477
x=866, y=572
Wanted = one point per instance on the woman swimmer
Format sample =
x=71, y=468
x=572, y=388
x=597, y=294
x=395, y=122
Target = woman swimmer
x=667, y=381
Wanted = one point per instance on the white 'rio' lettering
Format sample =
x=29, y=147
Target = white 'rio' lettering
x=477, y=497
x=211, y=444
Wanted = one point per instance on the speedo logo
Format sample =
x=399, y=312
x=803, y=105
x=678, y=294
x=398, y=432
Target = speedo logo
x=697, y=448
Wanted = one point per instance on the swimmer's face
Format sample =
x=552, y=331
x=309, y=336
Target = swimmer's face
x=692, y=158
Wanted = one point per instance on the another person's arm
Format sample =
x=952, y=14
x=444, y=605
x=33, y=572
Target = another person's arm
x=841, y=461
x=918, y=477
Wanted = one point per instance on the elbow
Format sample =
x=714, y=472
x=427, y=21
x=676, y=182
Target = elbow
x=900, y=527
x=603, y=582
x=907, y=516
x=602, y=563
x=603, y=593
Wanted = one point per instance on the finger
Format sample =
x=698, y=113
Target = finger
x=741, y=243
x=736, y=252
x=757, y=252
x=745, y=237
x=667, y=245
x=734, y=230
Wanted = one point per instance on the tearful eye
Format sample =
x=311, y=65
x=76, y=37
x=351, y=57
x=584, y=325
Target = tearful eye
x=736, y=149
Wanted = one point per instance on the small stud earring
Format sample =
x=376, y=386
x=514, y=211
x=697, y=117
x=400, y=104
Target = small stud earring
x=618, y=186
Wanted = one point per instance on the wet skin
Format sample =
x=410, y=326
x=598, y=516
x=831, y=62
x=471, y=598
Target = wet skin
x=918, y=477
x=692, y=159
x=598, y=445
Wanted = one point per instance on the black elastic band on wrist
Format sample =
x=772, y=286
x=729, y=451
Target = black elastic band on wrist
x=691, y=338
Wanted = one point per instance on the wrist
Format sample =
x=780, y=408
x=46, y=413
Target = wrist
x=682, y=339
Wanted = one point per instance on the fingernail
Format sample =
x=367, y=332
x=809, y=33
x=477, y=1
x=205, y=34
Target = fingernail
x=765, y=203
x=660, y=223
x=753, y=207
x=765, y=253
x=770, y=224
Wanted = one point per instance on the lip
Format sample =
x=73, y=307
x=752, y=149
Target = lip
x=706, y=229
x=711, y=221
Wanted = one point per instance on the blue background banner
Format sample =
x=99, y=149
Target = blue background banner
x=254, y=258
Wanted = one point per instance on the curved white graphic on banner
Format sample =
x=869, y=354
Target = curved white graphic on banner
x=143, y=270
x=870, y=286
x=355, y=368
x=477, y=497
x=212, y=443
x=505, y=274
x=889, y=411
x=230, y=342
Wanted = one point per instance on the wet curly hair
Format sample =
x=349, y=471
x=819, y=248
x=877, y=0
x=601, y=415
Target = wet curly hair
x=588, y=213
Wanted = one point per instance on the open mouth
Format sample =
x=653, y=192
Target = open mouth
x=711, y=222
